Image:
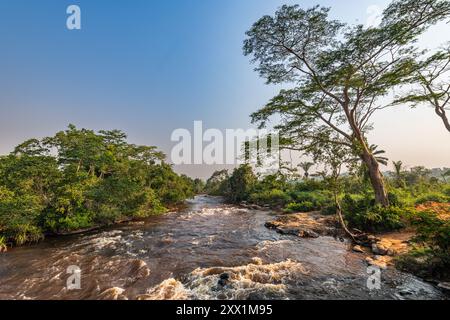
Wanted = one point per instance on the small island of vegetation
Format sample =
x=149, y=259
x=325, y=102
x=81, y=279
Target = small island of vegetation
x=79, y=179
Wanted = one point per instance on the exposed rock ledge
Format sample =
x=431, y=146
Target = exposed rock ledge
x=379, y=250
x=387, y=246
x=305, y=225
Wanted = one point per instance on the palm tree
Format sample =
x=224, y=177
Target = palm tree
x=398, y=166
x=361, y=169
x=377, y=153
x=306, y=166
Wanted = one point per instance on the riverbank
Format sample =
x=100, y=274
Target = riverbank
x=210, y=250
x=382, y=250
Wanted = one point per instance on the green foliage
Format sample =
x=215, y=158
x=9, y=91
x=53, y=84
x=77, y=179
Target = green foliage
x=19, y=216
x=216, y=185
x=274, y=198
x=304, y=206
x=240, y=184
x=198, y=186
x=319, y=199
x=432, y=197
x=431, y=256
x=400, y=198
x=446, y=191
x=361, y=213
x=433, y=230
x=3, y=244
x=89, y=179
x=334, y=73
x=306, y=201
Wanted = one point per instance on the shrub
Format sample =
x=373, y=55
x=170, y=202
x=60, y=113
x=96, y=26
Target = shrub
x=240, y=184
x=432, y=257
x=329, y=210
x=304, y=206
x=363, y=215
x=400, y=198
x=273, y=198
x=433, y=230
x=318, y=199
x=432, y=197
x=309, y=186
x=446, y=191
x=59, y=223
x=23, y=233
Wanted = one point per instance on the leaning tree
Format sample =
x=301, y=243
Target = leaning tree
x=336, y=73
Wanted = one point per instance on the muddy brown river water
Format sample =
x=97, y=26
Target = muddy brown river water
x=181, y=255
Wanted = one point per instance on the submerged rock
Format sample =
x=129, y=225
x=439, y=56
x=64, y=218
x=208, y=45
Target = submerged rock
x=224, y=280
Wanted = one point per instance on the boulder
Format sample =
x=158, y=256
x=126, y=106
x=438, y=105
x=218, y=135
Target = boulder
x=358, y=249
x=378, y=261
x=224, y=280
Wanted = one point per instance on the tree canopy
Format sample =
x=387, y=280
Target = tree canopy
x=336, y=73
x=79, y=179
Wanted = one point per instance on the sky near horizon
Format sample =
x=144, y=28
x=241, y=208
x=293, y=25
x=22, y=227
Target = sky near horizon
x=150, y=67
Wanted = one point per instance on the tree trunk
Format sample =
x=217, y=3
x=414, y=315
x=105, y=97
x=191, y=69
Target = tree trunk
x=441, y=113
x=376, y=178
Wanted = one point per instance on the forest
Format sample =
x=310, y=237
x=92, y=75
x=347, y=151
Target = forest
x=79, y=179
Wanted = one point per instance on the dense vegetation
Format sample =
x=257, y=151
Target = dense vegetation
x=79, y=179
x=409, y=190
x=336, y=77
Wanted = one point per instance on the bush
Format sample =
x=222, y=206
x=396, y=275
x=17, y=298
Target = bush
x=363, y=215
x=432, y=197
x=273, y=198
x=446, y=191
x=23, y=233
x=309, y=186
x=318, y=199
x=329, y=210
x=400, y=198
x=240, y=184
x=432, y=257
x=433, y=230
x=304, y=206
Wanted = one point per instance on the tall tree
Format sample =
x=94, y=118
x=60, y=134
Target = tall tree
x=431, y=82
x=338, y=73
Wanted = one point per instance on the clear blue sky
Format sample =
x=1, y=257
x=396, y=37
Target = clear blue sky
x=144, y=66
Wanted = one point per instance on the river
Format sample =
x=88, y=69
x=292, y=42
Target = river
x=181, y=255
